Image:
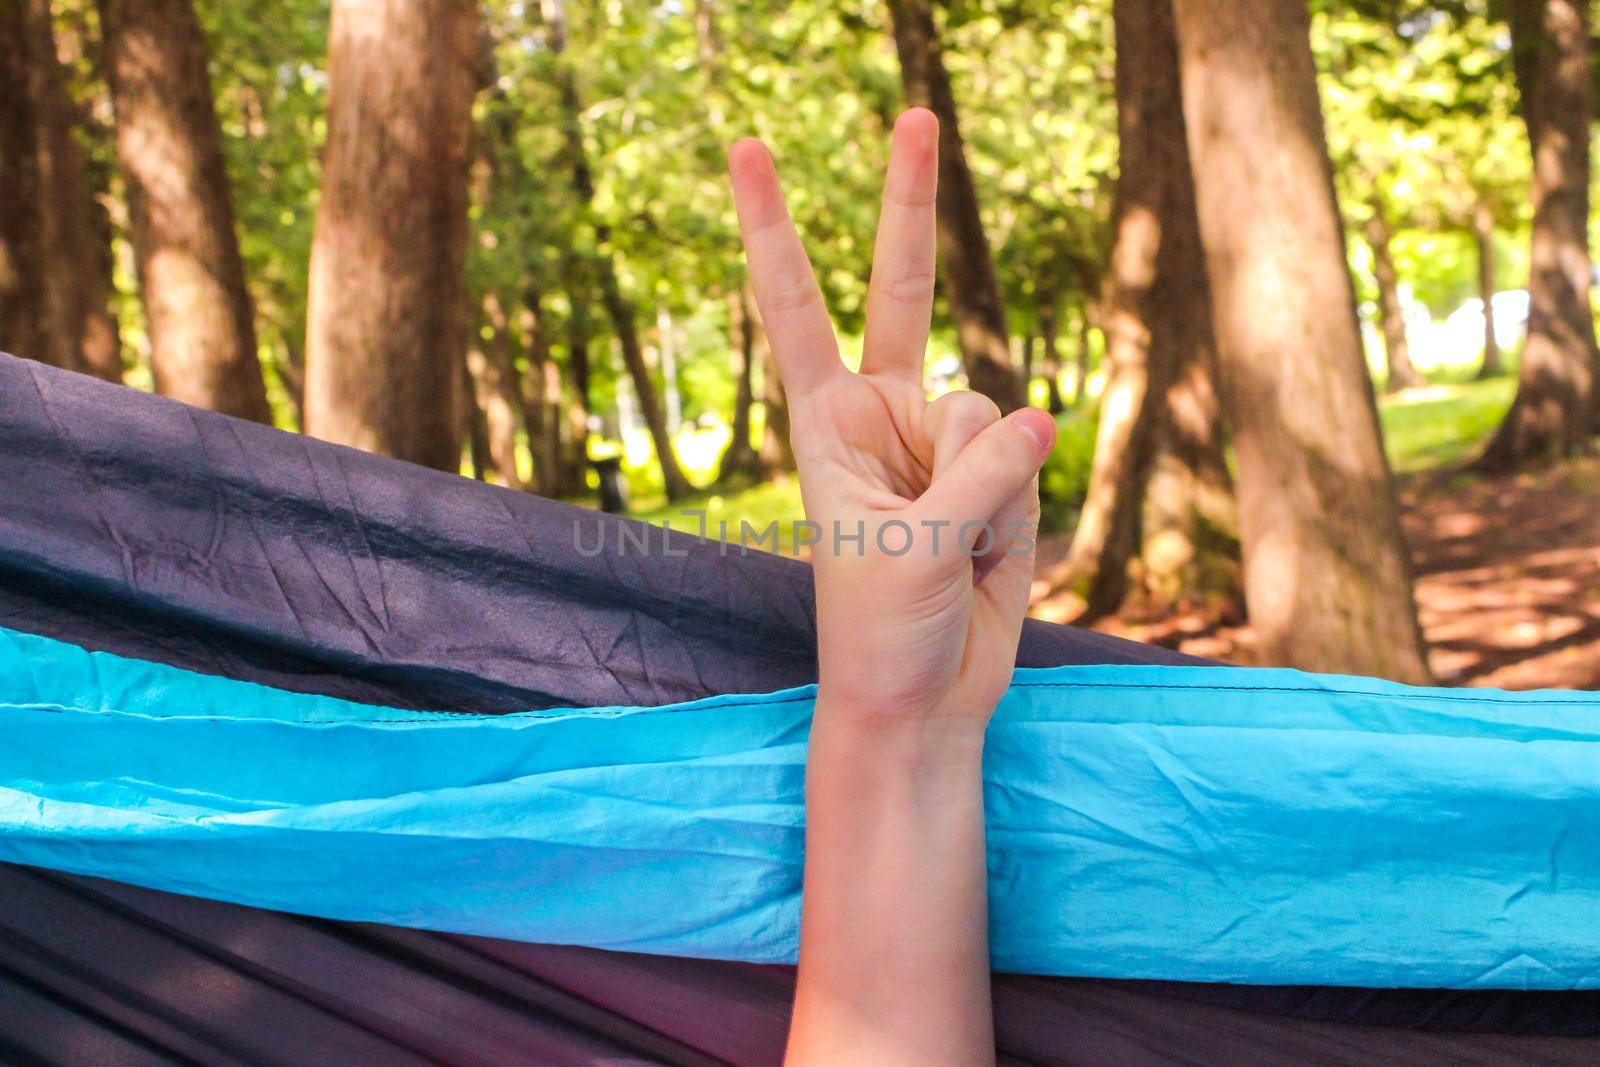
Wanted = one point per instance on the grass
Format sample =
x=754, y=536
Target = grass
x=1424, y=429
x=1442, y=425
x=758, y=505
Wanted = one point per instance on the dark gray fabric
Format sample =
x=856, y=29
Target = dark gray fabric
x=138, y=526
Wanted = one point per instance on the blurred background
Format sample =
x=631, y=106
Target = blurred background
x=1318, y=331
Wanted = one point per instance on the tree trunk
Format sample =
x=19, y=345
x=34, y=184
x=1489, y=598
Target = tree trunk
x=1080, y=386
x=191, y=277
x=740, y=458
x=619, y=309
x=1483, y=231
x=291, y=368
x=23, y=330
x=965, y=264
x=580, y=409
x=541, y=397
x=667, y=346
x=1050, y=361
x=1190, y=525
x=1025, y=370
x=776, y=452
x=81, y=334
x=498, y=391
x=1327, y=576
x=388, y=302
x=1391, y=315
x=1552, y=413
x=1157, y=316
x=469, y=414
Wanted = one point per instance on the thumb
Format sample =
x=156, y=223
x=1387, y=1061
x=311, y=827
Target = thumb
x=995, y=466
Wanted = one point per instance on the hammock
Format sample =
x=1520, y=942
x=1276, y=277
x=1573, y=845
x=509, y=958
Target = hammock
x=493, y=798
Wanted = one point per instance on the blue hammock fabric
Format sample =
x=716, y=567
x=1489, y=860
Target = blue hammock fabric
x=1199, y=823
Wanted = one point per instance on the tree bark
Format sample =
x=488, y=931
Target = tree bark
x=1327, y=576
x=740, y=457
x=625, y=324
x=541, y=398
x=619, y=309
x=1391, y=315
x=1190, y=524
x=23, y=330
x=388, y=318
x=191, y=277
x=776, y=452
x=498, y=389
x=1080, y=386
x=1050, y=361
x=1483, y=232
x=667, y=350
x=1553, y=410
x=965, y=262
x=580, y=335
x=1157, y=317
x=469, y=414
x=81, y=334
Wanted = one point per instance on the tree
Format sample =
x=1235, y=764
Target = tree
x=22, y=322
x=498, y=390
x=75, y=266
x=1391, y=315
x=579, y=336
x=1158, y=330
x=740, y=458
x=542, y=410
x=1424, y=136
x=1327, y=577
x=1050, y=359
x=1483, y=238
x=965, y=262
x=387, y=327
x=776, y=450
x=1553, y=410
x=191, y=276
x=619, y=309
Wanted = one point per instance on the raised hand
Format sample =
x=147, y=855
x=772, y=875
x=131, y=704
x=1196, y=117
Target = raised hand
x=919, y=619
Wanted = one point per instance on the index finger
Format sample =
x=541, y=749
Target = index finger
x=797, y=323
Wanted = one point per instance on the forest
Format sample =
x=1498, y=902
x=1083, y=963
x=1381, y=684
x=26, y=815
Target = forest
x=1307, y=287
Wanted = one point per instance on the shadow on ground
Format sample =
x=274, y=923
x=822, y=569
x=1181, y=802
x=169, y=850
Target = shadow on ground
x=1508, y=583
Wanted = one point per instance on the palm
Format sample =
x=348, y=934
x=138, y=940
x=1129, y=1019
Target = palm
x=870, y=430
x=920, y=624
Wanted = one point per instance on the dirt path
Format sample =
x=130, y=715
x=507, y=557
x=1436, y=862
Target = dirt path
x=1508, y=588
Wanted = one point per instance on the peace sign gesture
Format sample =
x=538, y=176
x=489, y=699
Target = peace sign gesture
x=927, y=511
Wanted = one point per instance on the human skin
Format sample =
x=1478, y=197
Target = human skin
x=915, y=647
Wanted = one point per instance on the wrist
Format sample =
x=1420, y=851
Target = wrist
x=890, y=735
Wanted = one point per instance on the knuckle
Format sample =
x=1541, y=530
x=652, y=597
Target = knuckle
x=968, y=408
x=915, y=288
x=984, y=410
x=793, y=294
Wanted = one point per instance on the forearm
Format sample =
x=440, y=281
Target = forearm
x=894, y=964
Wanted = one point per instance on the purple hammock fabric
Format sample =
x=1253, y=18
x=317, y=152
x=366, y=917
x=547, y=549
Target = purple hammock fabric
x=139, y=526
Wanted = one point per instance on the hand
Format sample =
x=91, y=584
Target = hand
x=917, y=622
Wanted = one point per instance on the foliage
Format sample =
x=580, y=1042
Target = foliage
x=1064, y=480
x=1420, y=107
x=1422, y=115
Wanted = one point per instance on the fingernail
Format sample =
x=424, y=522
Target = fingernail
x=1040, y=426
